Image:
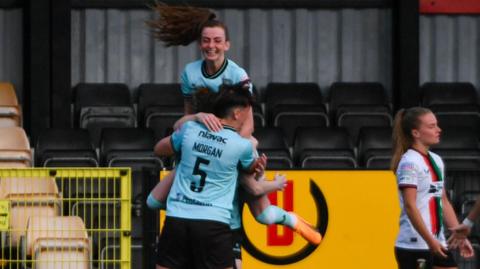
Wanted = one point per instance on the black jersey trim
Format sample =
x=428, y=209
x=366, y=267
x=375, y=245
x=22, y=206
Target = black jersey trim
x=218, y=73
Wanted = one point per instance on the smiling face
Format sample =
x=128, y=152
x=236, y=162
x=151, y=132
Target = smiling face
x=213, y=44
x=428, y=132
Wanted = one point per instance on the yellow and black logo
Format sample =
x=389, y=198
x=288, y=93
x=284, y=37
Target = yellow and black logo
x=277, y=245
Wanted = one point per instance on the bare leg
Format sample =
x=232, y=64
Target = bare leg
x=257, y=204
x=238, y=264
x=267, y=214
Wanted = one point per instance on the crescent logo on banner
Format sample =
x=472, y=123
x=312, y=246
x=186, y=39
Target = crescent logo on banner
x=357, y=213
x=281, y=236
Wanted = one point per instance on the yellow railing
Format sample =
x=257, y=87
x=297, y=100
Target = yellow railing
x=65, y=218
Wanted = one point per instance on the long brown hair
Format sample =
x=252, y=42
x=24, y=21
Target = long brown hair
x=405, y=121
x=182, y=25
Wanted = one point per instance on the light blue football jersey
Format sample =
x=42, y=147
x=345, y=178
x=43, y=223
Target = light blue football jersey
x=236, y=221
x=194, y=77
x=206, y=176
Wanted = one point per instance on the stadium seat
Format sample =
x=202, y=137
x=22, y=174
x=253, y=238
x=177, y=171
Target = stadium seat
x=29, y=197
x=271, y=141
x=292, y=105
x=454, y=104
x=323, y=148
x=356, y=94
x=459, y=149
x=58, y=242
x=102, y=105
x=160, y=106
x=14, y=148
x=129, y=147
x=65, y=148
x=453, y=95
x=375, y=147
x=10, y=111
x=359, y=104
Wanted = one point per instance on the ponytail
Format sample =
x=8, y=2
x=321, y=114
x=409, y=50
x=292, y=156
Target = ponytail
x=405, y=121
x=400, y=143
x=181, y=25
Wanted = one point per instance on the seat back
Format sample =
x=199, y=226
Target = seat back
x=157, y=94
x=58, y=242
x=448, y=93
x=65, y=147
x=131, y=147
x=10, y=111
x=271, y=142
x=29, y=197
x=324, y=143
x=356, y=93
x=14, y=147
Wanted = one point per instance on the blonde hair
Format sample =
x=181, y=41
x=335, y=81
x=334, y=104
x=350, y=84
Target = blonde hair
x=405, y=121
x=182, y=25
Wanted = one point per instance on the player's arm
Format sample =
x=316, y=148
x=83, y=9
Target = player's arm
x=461, y=231
x=164, y=147
x=450, y=218
x=262, y=186
x=209, y=120
x=256, y=184
x=409, y=195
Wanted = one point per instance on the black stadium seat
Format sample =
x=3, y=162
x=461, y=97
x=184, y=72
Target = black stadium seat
x=65, y=148
x=128, y=147
x=452, y=94
x=459, y=149
x=356, y=94
x=375, y=147
x=323, y=148
x=354, y=105
x=292, y=105
x=102, y=105
x=160, y=106
x=454, y=104
x=271, y=141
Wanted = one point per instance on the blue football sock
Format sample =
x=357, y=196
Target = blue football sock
x=276, y=215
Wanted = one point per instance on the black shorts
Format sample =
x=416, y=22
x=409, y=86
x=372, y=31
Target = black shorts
x=200, y=244
x=407, y=258
x=237, y=243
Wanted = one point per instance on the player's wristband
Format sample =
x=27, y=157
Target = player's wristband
x=467, y=222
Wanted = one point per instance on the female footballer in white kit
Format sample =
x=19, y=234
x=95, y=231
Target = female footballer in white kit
x=425, y=208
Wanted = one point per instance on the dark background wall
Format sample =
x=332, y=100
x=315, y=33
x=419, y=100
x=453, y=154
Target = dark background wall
x=11, y=47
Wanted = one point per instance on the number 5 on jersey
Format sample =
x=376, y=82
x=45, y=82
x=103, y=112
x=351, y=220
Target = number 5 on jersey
x=197, y=171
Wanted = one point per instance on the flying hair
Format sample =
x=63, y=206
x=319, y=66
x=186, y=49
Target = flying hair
x=181, y=25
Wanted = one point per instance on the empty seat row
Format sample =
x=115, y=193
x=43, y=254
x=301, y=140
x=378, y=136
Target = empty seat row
x=288, y=105
x=313, y=147
x=325, y=148
x=118, y=147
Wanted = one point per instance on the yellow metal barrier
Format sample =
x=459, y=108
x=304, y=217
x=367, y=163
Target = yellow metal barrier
x=65, y=218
